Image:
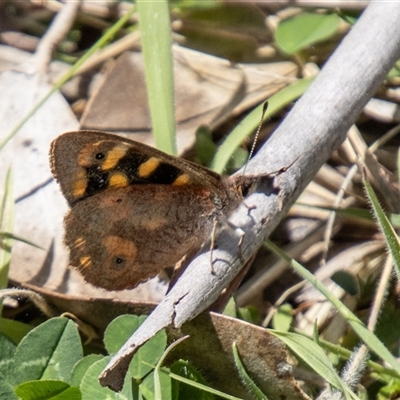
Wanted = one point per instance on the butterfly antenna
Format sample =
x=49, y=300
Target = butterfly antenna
x=264, y=110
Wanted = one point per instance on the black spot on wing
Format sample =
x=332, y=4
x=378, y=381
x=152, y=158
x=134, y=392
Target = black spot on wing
x=165, y=174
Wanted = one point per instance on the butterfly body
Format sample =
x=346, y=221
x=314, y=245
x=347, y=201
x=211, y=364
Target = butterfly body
x=134, y=210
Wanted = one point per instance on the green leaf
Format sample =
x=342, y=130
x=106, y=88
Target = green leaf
x=313, y=355
x=119, y=331
x=82, y=366
x=91, y=388
x=389, y=391
x=155, y=29
x=388, y=326
x=46, y=390
x=296, y=33
x=48, y=352
x=283, y=318
x=149, y=391
x=162, y=383
x=7, y=390
x=184, y=391
x=351, y=17
x=15, y=330
x=239, y=158
x=230, y=309
x=7, y=350
x=205, y=147
x=347, y=282
x=249, y=124
x=148, y=355
x=249, y=314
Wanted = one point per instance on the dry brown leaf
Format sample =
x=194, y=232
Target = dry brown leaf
x=208, y=90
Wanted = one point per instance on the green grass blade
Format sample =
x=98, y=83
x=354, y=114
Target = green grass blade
x=198, y=385
x=250, y=123
x=373, y=343
x=249, y=383
x=6, y=223
x=8, y=235
x=345, y=354
x=155, y=29
x=157, y=369
x=391, y=238
x=398, y=164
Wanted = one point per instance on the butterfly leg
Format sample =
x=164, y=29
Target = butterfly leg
x=212, y=244
x=240, y=232
x=231, y=226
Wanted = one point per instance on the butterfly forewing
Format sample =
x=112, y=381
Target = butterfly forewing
x=88, y=162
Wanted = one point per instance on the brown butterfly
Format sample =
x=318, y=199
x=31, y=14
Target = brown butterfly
x=134, y=209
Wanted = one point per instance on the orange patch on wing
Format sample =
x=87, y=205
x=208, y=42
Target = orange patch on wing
x=183, y=179
x=118, y=179
x=85, y=261
x=85, y=156
x=148, y=167
x=153, y=224
x=80, y=242
x=80, y=184
x=113, y=156
x=120, y=247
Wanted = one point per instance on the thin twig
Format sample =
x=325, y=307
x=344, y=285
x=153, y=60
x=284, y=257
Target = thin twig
x=58, y=29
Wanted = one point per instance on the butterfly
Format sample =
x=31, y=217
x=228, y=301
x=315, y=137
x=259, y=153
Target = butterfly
x=135, y=210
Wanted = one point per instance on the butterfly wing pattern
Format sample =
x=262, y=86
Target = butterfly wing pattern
x=134, y=209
